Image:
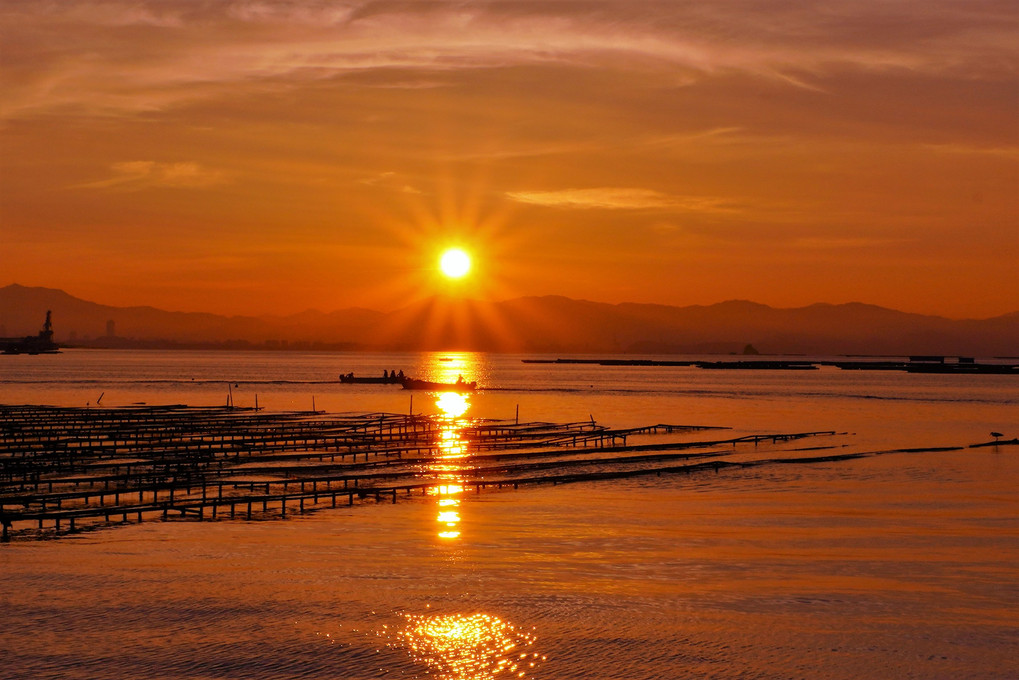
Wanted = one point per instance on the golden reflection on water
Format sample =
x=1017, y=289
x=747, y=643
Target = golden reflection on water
x=468, y=647
x=448, y=366
x=452, y=447
x=453, y=405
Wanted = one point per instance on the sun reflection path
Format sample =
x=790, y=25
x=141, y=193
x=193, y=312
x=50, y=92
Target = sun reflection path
x=451, y=448
x=453, y=405
x=468, y=647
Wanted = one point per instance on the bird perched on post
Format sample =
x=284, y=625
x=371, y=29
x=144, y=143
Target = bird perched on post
x=996, y=435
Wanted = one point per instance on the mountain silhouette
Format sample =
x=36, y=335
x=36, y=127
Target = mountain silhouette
x=526, y=324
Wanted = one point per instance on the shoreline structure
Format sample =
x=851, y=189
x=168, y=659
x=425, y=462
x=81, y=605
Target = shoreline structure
x=65, y=469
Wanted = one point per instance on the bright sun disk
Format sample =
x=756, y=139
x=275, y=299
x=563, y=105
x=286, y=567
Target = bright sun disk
x=455, y=263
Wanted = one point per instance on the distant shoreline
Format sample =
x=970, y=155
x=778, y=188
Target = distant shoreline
x=546, y=325
x=622, y=357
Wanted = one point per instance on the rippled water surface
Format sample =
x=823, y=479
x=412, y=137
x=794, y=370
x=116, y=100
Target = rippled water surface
x=895, y=566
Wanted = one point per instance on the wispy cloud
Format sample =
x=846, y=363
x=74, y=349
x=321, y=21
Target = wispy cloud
x=623, y=198
x=124, y=55
x=390, y=180
x=135, y=175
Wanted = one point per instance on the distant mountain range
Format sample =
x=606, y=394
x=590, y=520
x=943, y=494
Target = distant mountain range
x=529, y=324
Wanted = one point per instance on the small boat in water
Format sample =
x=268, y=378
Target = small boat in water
x=459, y=386
x=351, y=379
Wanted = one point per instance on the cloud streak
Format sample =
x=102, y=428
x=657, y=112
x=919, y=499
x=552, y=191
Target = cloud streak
x=108, y=56
x=137, y=175
x=623, y=198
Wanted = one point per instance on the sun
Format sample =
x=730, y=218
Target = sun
x=455, y=263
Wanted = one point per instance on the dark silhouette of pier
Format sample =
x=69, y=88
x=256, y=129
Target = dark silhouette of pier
x=66, y=469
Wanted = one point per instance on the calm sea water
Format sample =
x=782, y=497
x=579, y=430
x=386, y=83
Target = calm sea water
x=894, y=566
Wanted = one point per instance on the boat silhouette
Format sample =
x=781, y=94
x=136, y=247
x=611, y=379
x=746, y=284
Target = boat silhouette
x=389, y=379
x=459, y=386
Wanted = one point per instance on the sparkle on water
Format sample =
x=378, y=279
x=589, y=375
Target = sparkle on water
x=468, y=647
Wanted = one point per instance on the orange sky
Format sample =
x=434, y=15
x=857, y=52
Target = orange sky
x=249, y=157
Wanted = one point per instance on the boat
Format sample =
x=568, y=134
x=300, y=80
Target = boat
x=459, y=386
x=351, y=379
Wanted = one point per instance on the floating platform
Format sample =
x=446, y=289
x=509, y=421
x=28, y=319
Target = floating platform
x=67, y=469
x=916, y=364
x=759, y=365
x=64, y=470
